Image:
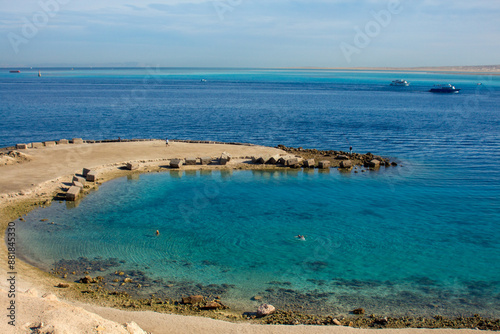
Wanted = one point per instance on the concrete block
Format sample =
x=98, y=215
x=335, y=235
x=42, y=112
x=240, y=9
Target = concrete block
x=21, y=146
x=132, y=165
x=86, y=171
x=77, y=184
x=292, y=161
x=73, y=193
x=205, y=160
x=36, y=145
x=77, y=141
x=259, y=160
x=176, y=163
x=190, y=161
x=91, y=176
x=346, y=164
x=324, y=164
x=49, y=143
x=309, y=163
x=62, y=142
x=273, y=160
x=224, y=158
x=373, y=164
x=79, y=179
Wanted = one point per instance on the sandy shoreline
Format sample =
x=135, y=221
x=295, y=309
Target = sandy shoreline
x=26, y=185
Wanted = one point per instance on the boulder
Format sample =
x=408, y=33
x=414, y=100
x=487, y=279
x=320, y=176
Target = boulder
x=21, y=146
x=205, y=160
x=394, y=164
x=87, y=280
x=373, y=163
x=309, y=163
x=79, y=179
x=192, y=299
x=49, y=143
x=77, y=141
x=336, y=322
x=324, y=164
x=73, y=193
x=132, y=165
x=342, y=157
x=346, y=164
x=63, y=285
x=62, y=142
x=265, y=309
x=190, y=161
x=292, y=162
x=212, y=306
x=85, y=171
x=176, y=163
x=91, y=176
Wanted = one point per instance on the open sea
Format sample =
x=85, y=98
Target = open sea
x=422, y=238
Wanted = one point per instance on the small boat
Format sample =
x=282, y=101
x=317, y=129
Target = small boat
x=400, y=82
x=203, y=80
x=448, y=88
x=15, y=71
x=39, y=74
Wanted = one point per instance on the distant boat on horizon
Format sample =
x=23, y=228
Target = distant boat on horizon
x=400, y=82
x=448, y=88
x=15, y=71
x=39, y=74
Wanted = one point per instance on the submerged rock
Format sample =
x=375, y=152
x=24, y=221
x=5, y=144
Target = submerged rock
x=359, y=311
x=192, y=299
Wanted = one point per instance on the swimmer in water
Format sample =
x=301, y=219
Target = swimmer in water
x=157, y=232
x=301, y=237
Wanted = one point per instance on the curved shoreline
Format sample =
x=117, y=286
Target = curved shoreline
x=31, y=190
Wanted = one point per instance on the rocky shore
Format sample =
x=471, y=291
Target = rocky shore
x=103, y=282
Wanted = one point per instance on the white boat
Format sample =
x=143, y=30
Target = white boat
x=448, y=88
x=400, y=82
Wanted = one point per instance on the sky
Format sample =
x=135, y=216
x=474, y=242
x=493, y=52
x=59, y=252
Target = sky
x=249, y=33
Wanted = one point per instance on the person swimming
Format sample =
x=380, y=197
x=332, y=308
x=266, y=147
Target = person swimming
x=301, y=237
x=157, y=232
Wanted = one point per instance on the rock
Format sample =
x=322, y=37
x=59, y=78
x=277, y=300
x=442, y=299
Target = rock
x=342, y=157
x=176, y=163
x=394, y=164
x=63, y=285
x=191, y=161
x=336, y=322
x=21, y=146
x=359, y=311
x=134, y=328
x=73, y=193
x=192, y=299
x=91, y=176
x=309, y=163
x=265, y=309
x=205, y=160
x=132, y=165
x=127, y=280
x=257, y=298
x=346, y=164
x=77, y=141
x=49, y=143
x=87, y=280
x=212, y=306
x=372, y=163
x=324, y=164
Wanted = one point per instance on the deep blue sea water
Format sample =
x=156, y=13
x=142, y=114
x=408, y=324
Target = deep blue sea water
x=422, y=238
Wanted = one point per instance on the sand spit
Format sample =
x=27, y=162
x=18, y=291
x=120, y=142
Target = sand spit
x=41, y=307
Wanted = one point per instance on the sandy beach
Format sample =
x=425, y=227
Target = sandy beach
x=40, y=173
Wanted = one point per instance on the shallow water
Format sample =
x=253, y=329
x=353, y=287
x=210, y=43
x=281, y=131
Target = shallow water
x=421, y=238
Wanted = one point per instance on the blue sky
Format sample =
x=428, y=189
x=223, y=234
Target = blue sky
x=249, y=33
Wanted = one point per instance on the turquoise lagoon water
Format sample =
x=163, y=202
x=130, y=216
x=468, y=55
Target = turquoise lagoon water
x=421, y=238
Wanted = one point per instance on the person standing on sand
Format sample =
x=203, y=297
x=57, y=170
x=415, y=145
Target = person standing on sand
x=350, y=149
x=166, y=139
